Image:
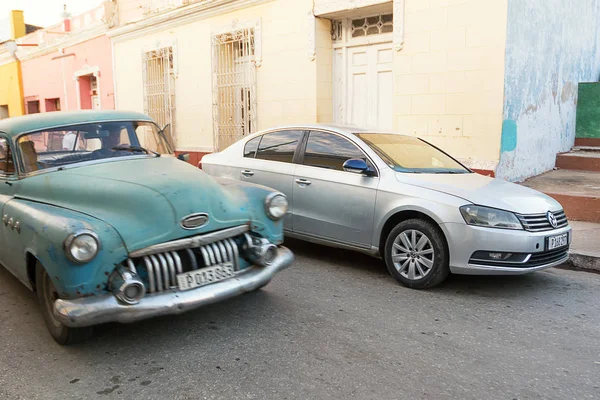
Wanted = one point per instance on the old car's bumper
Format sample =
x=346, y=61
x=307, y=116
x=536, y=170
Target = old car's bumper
x=464, y=240
x=95, y=310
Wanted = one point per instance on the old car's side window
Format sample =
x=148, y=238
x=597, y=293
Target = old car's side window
x=279, y=146
x=7, y=166
x=326, y=150
x=251, y=147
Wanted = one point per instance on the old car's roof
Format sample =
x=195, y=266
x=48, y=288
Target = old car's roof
x=33, y=122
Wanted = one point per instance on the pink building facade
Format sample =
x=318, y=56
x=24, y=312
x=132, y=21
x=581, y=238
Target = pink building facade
x=69, y=66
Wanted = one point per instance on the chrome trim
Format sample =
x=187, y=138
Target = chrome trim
x=131, y=266
x=93, y=310
x=502, y=262
x=194, y=241
x=69, y=241
x=154, y=260
x=191, y=217
x=120, y=280
x=477, y=269
x=177, y=259
x=268, y=199
x=150, y=269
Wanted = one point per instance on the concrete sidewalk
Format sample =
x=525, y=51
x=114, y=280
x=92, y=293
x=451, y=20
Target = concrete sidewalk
x=585, y=246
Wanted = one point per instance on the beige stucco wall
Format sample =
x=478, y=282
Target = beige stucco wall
x=286, y=80
x=449, y=77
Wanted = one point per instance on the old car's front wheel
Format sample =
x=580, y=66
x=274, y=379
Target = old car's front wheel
x=416, y=254
x=47, y=295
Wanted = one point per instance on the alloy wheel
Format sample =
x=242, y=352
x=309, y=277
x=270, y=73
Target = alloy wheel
x=413, y=254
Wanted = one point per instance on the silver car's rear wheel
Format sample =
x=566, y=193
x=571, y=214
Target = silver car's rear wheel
x=413, y=254
x=416, y=253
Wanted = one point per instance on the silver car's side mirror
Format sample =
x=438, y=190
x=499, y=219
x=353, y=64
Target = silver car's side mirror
x=356, y=166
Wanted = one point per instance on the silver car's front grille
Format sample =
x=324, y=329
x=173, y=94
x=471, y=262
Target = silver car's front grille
x=159, y=271
x=539, y=222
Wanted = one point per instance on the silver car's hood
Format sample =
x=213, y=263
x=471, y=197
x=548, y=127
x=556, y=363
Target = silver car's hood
x=485, y=191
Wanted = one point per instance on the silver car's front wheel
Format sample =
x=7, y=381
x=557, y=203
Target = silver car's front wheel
x=413, y=254
x=416, y=254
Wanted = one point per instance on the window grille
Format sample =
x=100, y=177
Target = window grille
x=234, y=86
x=372, y=25
x=159, y=88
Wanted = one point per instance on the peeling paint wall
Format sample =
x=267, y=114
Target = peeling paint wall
x=551, y=46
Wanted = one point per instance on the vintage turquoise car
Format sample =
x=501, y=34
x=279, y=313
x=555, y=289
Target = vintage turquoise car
x=105, y=224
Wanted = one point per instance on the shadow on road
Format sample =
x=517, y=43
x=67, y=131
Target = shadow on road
x=484, y=286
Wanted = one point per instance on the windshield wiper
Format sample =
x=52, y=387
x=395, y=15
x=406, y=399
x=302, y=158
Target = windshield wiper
x=132, y=148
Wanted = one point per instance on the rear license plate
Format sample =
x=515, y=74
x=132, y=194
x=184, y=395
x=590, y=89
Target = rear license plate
x=204, y=276
x=554, y=242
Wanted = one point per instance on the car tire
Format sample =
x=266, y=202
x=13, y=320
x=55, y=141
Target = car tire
x=46, y=294
x=416, y=254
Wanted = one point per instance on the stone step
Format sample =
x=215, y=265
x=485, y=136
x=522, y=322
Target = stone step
x=583, y=158
x=594, y=142
x=577, y=191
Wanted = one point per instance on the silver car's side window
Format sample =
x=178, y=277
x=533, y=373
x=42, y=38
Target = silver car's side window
x=326, y=150
x=251, y=147
x=7, y=166
x=279, y=146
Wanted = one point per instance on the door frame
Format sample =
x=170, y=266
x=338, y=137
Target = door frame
x=340, y=62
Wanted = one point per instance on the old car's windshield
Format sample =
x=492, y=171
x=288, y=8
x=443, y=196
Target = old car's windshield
x=62, y=146
x=411, y=154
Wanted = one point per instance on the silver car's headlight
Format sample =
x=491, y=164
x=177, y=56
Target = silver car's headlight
x=81, y=247
x=276, y=205
x=490, y=217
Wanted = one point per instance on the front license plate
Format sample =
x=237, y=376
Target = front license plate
x=554, y=242
x=204, y=276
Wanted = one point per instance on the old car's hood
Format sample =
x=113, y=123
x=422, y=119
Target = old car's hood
x=485, y=191
x=144, y=199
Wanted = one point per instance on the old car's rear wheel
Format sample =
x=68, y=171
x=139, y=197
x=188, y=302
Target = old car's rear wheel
x=416, y=254
x=47, y=295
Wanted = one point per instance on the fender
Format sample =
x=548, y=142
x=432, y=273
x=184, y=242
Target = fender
x=42, y=232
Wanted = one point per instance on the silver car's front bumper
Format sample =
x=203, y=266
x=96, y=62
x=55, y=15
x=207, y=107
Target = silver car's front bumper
x=95, y=310
x=464, y=240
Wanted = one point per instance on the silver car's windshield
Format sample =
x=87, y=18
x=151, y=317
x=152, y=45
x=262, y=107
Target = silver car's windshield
x=73, y=144
x=411, y=154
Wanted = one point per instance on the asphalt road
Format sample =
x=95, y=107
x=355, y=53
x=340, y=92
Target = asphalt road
x=336, y=325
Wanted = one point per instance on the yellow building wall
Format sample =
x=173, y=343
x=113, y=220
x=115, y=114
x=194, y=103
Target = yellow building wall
x=286, y=80
x=11, y=90
x=449, y=77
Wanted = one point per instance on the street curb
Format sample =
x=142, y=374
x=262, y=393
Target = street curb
x=581, y=260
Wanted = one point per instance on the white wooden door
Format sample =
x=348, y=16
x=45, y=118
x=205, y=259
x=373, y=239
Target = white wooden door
x=367, y=100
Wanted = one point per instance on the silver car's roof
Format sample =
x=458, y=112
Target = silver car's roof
x=341, y=129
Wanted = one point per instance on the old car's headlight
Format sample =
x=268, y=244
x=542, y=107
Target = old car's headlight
x=81, y=247
x=276, y=205
x=490, y=217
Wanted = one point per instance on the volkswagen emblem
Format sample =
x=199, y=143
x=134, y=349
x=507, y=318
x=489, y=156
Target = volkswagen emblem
x=194, y=221
x=552, y=219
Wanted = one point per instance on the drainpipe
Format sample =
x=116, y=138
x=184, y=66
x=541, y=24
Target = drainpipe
x=66, y=93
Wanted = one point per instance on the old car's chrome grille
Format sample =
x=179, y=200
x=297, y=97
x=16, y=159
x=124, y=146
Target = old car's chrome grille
x=159, y=270
x=539, y=222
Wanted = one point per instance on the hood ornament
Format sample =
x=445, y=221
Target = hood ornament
x=552, y=219
x=194, y=221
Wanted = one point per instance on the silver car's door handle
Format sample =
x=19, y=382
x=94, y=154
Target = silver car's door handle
x=302, y=181
x=247, y=172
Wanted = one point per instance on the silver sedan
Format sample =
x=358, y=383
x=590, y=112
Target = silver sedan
x=400, y=198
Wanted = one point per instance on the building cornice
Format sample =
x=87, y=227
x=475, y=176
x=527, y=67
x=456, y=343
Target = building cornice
x=179, y=16
x=73, y=40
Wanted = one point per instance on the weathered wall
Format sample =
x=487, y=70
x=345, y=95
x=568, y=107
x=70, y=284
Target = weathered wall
x=588, y=111
x=552, y=45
